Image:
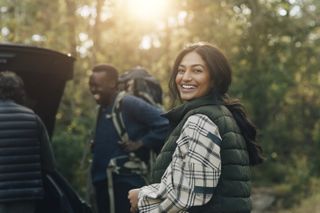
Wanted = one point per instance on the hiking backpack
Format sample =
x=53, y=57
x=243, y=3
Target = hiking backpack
x=140, y=83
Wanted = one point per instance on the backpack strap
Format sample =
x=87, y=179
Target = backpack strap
x=117, y=118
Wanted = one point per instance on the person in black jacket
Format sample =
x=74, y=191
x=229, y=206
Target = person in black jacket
x=25, y=152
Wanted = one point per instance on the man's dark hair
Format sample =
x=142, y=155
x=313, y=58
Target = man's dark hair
x=108, y=69
x=11, y=87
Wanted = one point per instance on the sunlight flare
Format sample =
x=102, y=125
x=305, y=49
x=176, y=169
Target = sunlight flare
x=147, y=9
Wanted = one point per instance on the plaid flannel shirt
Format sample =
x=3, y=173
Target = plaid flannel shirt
x=193, y=172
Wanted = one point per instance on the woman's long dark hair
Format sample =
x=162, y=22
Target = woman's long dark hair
x=220, y=73
x=248, y=129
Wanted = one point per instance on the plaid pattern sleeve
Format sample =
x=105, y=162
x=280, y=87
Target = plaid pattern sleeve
x=193, y=172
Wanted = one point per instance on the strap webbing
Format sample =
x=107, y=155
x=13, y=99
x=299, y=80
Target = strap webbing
x=117, y=118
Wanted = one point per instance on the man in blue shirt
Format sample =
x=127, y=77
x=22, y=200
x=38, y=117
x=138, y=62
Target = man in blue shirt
x=145, y=127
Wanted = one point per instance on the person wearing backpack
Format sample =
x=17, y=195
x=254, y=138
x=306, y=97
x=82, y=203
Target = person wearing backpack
x=144, y=126
x=204, y=166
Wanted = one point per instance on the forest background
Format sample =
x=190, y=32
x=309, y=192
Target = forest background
x=273, y=46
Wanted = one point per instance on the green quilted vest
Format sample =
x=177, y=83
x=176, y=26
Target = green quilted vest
x=233, y=191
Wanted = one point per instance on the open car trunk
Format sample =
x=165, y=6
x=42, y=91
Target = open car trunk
x=44, y=72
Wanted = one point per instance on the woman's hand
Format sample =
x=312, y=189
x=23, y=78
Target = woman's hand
x=133, y=198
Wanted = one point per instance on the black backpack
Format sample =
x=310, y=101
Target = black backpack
x=140, y=83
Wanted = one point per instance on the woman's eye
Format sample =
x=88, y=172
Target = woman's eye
x=197, y=70
x=180, y=71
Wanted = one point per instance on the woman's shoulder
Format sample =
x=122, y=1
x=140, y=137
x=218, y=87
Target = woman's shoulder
x=198, y=119
x=202, y=124
x=197, y=116
x=212, y=111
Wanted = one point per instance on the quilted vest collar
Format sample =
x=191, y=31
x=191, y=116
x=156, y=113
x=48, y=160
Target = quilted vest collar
x=177, y=113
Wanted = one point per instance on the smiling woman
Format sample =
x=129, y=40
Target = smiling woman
x=147, y=9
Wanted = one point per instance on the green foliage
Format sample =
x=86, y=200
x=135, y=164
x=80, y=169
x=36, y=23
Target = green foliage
x=299, y=184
